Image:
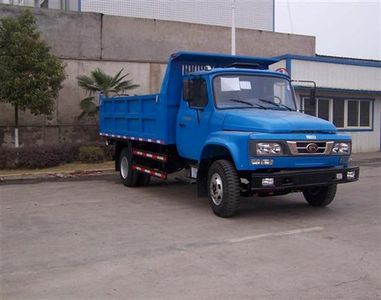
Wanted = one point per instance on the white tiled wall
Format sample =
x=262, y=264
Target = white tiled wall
x=252, y=14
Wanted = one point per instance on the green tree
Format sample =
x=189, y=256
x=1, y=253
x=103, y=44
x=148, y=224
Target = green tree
x=100, y=82
x=30, y=76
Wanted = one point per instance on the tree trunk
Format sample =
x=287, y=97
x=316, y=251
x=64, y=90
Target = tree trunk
x=16, y=126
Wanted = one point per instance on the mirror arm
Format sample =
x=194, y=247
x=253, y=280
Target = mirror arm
x=313, y=91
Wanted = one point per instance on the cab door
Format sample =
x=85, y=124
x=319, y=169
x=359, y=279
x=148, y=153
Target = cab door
x=193, y=119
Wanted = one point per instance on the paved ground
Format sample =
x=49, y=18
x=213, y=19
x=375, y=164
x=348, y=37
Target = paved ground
x=99, y=240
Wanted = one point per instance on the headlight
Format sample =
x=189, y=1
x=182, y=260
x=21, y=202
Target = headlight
x=341, y=148
x=268, y=149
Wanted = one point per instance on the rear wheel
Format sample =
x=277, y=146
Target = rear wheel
x=128, y=176
x=223, y=188
x=320, y=195
x=143, y=179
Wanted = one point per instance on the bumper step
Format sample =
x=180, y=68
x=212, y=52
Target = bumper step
x=149, y=171
x=151, y=155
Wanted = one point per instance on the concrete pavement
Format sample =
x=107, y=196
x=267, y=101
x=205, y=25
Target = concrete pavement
x=100, y=240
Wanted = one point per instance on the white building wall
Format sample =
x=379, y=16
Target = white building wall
x=254, y=14
x=278, y=65
x=340, y=76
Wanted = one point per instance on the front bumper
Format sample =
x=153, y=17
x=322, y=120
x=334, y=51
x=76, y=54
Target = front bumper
x=298, y=179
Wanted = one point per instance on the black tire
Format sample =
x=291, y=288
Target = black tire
x=320, y=196
x=128, y=176
x=223, y=177
x=143, y=179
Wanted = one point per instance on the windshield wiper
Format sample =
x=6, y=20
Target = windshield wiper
x=276, y=104
x=248, y=103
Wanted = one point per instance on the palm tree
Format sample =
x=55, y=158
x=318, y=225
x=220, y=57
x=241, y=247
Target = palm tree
x=100, y=82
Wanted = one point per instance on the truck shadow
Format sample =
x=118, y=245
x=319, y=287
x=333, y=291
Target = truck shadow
x=175, y=193
x=292, y=205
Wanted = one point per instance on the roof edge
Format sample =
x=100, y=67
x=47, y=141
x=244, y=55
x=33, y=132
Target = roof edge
x=332, y=60
x=340, y=90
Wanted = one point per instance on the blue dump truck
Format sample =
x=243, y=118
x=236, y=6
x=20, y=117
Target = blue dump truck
x=233, y=125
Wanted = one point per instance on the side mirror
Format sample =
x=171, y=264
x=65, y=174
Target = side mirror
x=187, y=90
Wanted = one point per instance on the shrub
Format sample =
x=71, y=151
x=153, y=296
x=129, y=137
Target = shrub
x=91, y=154
x=40, y=157
x=108, y=151
x=8, y=158
x=36, y=157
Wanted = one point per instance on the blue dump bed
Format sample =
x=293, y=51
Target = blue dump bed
x=152, y=118
x=134, y=117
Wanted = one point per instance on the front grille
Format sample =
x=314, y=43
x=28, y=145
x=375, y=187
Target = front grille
x=310, y=147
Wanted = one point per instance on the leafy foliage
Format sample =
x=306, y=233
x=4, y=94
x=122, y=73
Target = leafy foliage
x=36, y=157
x=91, y=154
x=30, y=76
x=100, y=82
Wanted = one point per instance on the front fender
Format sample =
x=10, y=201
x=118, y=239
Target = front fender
x=236, y=142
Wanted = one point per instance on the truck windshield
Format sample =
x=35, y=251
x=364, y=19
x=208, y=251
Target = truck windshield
x=250, y=91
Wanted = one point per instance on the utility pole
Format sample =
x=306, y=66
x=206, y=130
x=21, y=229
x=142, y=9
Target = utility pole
x=233, y=28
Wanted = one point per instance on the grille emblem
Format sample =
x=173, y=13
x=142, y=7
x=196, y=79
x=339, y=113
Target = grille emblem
x=312, y=148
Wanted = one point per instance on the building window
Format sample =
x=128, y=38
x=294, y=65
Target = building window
x=365, y=111
x=323, y=108
x=344, y=113
x=320, y=107
x=353, y=113
x=359, y=112
x=338, y=113
x=309, y=106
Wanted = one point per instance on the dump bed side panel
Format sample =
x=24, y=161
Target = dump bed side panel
x=133, y=117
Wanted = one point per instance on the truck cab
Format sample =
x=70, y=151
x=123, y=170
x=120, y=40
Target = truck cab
x=232, y=100
x=235, y=126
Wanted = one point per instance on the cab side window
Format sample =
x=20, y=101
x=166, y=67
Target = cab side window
x=199, y=94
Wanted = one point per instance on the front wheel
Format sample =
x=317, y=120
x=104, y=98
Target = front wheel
x=320, y=195
x=223, y=188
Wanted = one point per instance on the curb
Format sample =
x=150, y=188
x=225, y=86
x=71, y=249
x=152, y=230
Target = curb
x=62, y=176
x=96, y=174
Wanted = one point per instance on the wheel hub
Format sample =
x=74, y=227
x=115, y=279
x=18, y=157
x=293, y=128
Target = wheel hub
x=124, y=167
x=216, y=189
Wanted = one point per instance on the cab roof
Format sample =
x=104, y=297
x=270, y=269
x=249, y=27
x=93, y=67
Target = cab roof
x=221, y=60
x=237, y=71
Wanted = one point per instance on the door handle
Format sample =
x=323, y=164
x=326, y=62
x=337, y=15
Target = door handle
x=182, y=125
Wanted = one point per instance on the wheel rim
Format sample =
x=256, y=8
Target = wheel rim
x=124, y=167
x=216, y=189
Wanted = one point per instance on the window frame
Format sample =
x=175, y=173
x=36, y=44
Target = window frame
x=330, y=106
x=346, y=100
x=358, y=114
x=213, y=89
x=205, y=83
